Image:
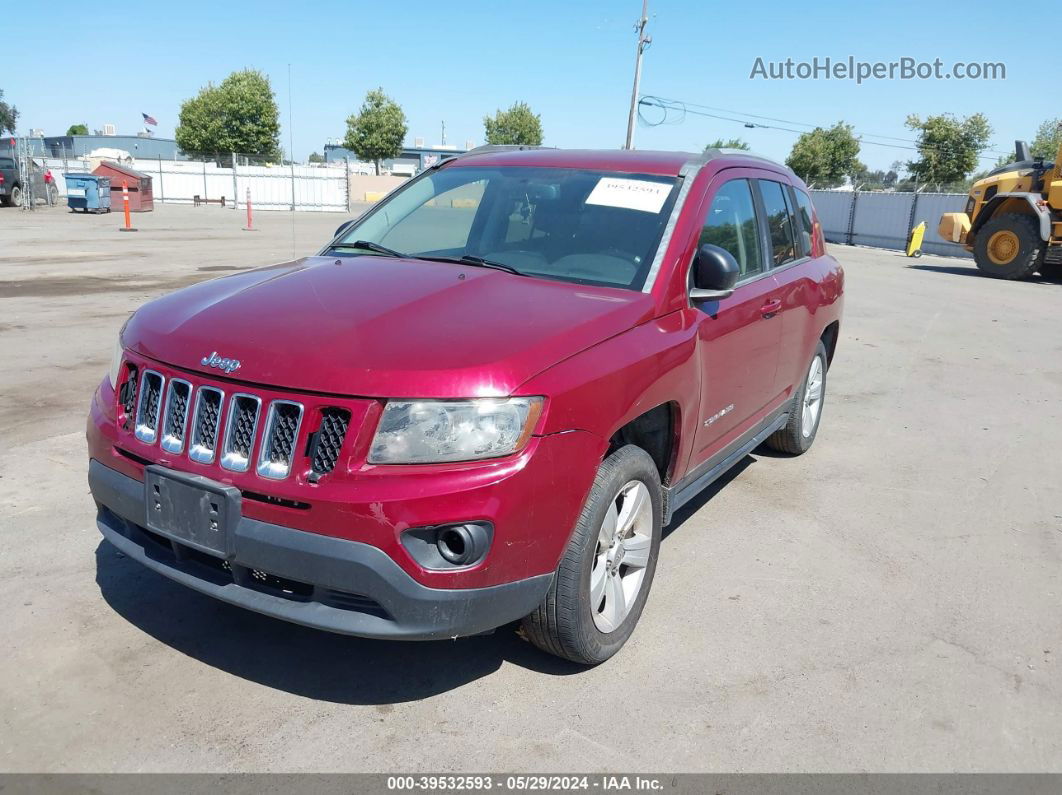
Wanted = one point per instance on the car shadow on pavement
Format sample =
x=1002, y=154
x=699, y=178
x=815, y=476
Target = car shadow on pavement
x=698, y=502
x=323, y=665
x=971, y=270
x=303, y=661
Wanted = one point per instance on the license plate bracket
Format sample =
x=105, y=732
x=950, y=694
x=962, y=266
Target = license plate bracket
x=192, y=510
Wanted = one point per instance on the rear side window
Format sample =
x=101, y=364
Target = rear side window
x=7, y=163
x=781, y=225
x=731, y=225
x=807, y=223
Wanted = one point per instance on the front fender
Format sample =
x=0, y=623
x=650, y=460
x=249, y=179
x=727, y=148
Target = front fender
x=1034, y=201
x=603, y=388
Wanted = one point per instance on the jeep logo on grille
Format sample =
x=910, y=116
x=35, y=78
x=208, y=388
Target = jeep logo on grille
x=213, y=360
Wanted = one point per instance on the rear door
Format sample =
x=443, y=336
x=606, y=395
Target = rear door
x=738, y=337
x=798, y=272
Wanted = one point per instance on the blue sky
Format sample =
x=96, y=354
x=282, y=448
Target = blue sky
x=571, y=61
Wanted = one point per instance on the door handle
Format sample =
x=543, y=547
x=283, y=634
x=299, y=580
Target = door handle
x=771, y=308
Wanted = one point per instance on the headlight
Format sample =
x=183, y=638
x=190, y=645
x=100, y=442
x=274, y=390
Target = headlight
x=433, y=431
x=116, y=362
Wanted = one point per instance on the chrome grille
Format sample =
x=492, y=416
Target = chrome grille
x=207, y=417
x=175, y=415
x=239, y=431
x=147, y=412
x=278, y=440
x=328, y=440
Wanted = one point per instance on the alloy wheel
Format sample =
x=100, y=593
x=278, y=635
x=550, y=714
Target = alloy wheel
x=812, y=397
x=623, y=544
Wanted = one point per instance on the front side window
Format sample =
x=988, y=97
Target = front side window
x=780, y=222
x=731, y=225
x=577, y=225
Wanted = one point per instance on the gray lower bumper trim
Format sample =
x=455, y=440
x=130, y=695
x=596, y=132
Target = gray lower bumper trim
x=410, y=610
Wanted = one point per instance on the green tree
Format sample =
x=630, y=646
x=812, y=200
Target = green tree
x=240, y=115
x=315, y=157
x=948, y=146
x=77, y=129
x=8, y=115
x=729, y=143
x=377, y=131
x=518, y=125
x=825, y=156
x=875, y=180
x=1048, y=139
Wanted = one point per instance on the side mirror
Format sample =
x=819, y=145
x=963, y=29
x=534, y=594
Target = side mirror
x=715, y=272
x=343, y=228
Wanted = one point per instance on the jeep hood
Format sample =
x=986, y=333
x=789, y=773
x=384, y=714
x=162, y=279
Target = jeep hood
x=381, y=327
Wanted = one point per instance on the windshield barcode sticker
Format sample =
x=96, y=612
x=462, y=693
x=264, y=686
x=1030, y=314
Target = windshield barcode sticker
x=630, y=194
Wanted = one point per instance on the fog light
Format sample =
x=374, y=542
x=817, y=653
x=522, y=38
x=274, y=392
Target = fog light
x=456, y=545
x=449, y=546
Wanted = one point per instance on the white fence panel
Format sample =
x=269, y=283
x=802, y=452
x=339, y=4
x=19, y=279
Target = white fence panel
x=271, y=187
x=929, y=209
x=882, y=220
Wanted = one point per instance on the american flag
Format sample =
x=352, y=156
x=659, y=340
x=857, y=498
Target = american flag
x=149, y=120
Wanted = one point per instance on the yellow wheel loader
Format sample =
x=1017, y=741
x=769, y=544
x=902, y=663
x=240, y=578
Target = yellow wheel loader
x=1013, y=218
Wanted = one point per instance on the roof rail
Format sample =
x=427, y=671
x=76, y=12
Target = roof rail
x=487, y=149
x=707, y=155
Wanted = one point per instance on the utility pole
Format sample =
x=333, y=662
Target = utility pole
x=643, y=42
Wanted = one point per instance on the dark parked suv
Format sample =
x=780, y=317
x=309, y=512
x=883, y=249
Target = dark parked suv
x=480, y=403
x=14, y=185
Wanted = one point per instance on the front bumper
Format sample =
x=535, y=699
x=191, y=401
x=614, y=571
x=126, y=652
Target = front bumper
x=319, y=581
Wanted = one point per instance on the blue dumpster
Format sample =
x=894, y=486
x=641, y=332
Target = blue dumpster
x=88, y=192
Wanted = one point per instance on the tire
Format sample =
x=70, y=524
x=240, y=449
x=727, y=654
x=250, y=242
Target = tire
x=16, y=196
x=567, y=624
x=1009, y=246
x=797, y=435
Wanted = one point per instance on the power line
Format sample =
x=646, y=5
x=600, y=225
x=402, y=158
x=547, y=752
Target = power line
x=688, y=108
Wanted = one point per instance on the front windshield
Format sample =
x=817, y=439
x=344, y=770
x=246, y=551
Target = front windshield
x=590, y=227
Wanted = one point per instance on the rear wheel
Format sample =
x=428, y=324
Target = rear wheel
x=1009, y=246
x=805, y=412
x=16, y=196
x=603, y=580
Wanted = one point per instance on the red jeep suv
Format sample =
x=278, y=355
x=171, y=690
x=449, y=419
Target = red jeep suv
x=480, y=402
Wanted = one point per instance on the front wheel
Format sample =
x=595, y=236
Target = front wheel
x=16, y=196
x=1009, y=246
x=603, y=580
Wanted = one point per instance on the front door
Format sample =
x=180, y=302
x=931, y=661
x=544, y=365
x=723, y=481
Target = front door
x=738, y=337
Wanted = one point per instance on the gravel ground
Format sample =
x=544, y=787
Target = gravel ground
x=889, y=601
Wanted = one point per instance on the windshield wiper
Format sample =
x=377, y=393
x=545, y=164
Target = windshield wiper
x=472, y=259
x=464, y=259
x=368, y=245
